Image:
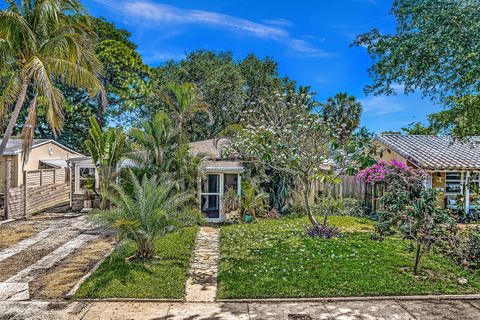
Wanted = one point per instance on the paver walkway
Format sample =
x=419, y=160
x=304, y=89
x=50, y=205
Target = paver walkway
x=202, y=283
x=329, y=310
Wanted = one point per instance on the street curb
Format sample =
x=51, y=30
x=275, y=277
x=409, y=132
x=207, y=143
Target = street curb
x=75, y=288
x=369, y=298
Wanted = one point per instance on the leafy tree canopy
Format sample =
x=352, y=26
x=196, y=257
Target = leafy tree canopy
x=435, y=49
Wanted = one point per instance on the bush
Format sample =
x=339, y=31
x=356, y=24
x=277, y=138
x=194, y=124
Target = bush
x=464, y=247
x=339, y=207
x=321, y=231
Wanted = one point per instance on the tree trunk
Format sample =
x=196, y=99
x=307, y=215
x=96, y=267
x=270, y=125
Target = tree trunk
x=417, y=258
x=328, y=194
x=13, y=120
x=306, y=194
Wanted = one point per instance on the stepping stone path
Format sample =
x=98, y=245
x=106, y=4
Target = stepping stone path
x=202, y=282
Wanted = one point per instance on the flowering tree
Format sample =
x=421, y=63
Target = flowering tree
x=408, y=205
x=283, y=135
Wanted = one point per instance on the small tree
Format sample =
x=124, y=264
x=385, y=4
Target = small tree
x=408, y=206
x=282, y=134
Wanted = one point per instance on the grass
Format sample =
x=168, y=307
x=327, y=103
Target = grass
x=275, y=259
x=166, y=278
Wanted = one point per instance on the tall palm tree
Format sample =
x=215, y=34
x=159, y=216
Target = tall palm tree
x=184, y=100
x=342, y=112
x=44, y=43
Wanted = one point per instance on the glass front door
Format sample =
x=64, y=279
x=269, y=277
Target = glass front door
x=210, y=196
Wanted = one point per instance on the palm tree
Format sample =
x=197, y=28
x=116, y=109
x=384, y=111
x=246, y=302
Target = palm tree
x=44, y=43
x=159, y=151
x=106, y=149
x=157, y=140
x=342, y=113
x=184, y=100
x=150, y=211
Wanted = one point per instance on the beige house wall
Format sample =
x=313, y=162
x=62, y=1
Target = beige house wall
x=47, y=151
x=387, y=154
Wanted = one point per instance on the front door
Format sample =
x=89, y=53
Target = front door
x=210, y=196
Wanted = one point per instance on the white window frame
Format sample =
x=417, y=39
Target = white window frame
x=77, y=177
x=221, y=191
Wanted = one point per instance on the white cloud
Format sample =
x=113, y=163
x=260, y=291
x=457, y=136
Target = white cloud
x=381, y=105
x=279, y=22
x=152, y=13
x=161, y=56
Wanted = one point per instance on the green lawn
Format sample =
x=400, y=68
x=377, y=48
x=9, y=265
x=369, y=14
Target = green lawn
x=274, y=258
x=164, y=279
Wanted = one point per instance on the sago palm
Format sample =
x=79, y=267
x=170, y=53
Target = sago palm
x=184, y=100
x=150, y=211
x=44, y=43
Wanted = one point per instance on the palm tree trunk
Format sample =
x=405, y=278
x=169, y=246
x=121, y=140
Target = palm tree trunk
x=13, y=120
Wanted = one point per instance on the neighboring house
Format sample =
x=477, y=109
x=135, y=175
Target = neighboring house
x=218, y=175
x=453, y=166
x=44, y=154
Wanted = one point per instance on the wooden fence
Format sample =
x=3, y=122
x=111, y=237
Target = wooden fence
x=350, y=187
x=41, y=189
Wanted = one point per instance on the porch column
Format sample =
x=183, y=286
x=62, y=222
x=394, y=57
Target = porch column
x=466, y=192
x=239, y=184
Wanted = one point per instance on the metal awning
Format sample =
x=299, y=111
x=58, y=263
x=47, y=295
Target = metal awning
x=55, y=163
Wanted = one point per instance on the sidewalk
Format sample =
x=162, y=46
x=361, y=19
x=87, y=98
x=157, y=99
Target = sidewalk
x=338, y=310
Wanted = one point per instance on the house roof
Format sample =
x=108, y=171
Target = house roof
x=211, y=148
x=435, y=152
x=14, y=146
x=55, y=163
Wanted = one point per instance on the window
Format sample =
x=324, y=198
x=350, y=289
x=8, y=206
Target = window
x=453, y=183
x=83, y=174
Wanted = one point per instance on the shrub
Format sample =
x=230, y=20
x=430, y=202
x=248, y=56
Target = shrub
x=464, y=247
x=339, y=207
x=321, y=231
x=272, y=214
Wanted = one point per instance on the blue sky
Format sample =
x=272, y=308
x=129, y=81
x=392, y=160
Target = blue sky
x=309, y=39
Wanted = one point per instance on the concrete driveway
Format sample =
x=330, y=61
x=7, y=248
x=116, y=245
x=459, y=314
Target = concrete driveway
x=43, y=257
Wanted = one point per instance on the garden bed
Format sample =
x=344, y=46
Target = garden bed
x=275, y=259
x=165, y=278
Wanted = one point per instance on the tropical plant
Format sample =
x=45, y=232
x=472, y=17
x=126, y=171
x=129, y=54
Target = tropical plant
x=157, y=141
x=44, y=43
x=184, y=100
x=157, y=151
x=342, y=112
x=153, y=209
x=106, y=149
x=408, y=206
x=252, y=201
